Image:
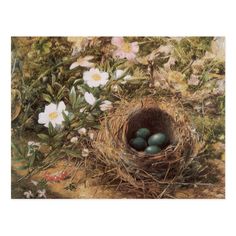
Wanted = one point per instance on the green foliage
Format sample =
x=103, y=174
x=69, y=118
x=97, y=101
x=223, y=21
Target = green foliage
x=41, y=75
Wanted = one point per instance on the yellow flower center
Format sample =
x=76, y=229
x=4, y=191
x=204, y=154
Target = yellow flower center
x=96, y=77
x=126, y=47
x=53, y=115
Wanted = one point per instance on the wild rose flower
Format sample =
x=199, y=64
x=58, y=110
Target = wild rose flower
x=52, y=113
x=95, y=78
x=124, y=49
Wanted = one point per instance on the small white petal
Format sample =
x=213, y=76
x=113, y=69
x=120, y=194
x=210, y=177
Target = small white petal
x=61, y=106
x=34, y=182
x=74, y=65
x=89, y=98
x=118, y=73
x=50, y=108
x=43, y=118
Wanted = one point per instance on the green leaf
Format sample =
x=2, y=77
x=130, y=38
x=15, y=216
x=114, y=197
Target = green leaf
x=43, y=137
x=60, y=93
x=47, y=97
x=22, y=167
x=51, y=129
x=77, y=81
x=58, y=137
x=50, y=89
x=16, y=149
x=66, y=118
x=72, y=97
x=78, y=102
x=72, y=153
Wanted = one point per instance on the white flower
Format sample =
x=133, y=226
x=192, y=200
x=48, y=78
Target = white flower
x=52, y=113
x=82, y=131
x=85, y=152
x=28, y=194
x=83, y=62
x=106, y=105
x=41, y=193
x=89, y=98
x=74, y=140
x=95, y=78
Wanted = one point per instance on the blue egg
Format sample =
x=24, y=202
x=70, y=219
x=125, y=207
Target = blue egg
x=143, y=133
x=152, y=149
x=157, y=139
x=138, y=143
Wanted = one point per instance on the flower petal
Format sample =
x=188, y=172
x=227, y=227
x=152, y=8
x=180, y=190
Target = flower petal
x=59, y=120
x=50, y=108
x=117, y=41
x=42, y=119
x=89, y=98
x=130, y=56
x=61, y=106
x=118, y=73
x=93, y=83
x=135, y=47
x=88, y=58
x=105, y=75
x=86, y=75
x=74, y=65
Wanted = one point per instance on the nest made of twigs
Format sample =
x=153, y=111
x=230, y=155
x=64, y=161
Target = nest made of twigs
x=138, y=172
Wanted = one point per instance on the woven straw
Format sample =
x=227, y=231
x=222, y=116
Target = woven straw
x=137, y=172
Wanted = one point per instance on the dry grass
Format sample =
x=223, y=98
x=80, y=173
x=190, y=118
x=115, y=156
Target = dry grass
x=136, y=172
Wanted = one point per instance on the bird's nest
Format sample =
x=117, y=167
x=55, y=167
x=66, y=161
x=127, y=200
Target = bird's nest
x=147, y=175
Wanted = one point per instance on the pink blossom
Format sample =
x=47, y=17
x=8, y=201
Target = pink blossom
x=124, y=49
